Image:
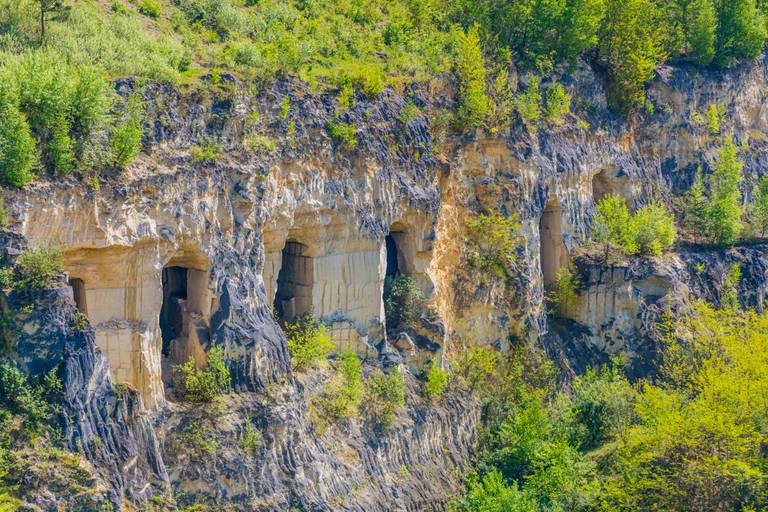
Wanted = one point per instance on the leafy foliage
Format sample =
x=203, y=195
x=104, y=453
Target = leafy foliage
x=437, y=380
x=385, y=396
x=206, y=384
x=342, y=397
x=565, y=293
x=491, y=241
x=308, y=342
x=693, y=440
x=470, y=69
x=37, y=268
x=648, y=232
x=125, y=143
x=343, y=133
x=403, y=302
x=760, y=201
x=718, y=218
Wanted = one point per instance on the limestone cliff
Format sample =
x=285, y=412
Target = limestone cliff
x=178, y=254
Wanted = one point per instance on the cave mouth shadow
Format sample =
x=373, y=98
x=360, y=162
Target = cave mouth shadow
x=293, y=296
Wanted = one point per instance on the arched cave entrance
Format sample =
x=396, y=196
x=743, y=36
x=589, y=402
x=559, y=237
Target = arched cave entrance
x=293, y=296
x=184, y=313
x=78, y=292
x=393, y=267
x=553, y=252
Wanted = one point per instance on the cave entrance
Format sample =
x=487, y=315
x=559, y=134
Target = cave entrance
x=609, y=181
x=294, y=283
x=553, y=253
x=78, y=292
x=184, y=314
x=393, y=267
x=174, y=295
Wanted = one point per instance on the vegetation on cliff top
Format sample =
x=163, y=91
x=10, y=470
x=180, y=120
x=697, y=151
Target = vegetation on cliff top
x=58, y=110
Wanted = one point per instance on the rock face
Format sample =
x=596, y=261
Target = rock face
x=174, y=256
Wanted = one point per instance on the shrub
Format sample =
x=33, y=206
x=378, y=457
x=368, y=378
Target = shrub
x=343, y=396
x=611, y=223
x=199, y=438
x=491, y=241
x=151, y=8
x=493, y=494
x=403, y=302
x=3, y=214
x=18, y=154
x=652, y=229
x=724, y=210
x=125, y=142
x=17, y=395
x=648, y=232
x=760, y=205
x=603, y=402
x=385, y=396
x=714, y=115
x=260, y=144
x=529, y=103
x=729, y=294
x=253, y=438
x=205, y=385
x=39, y=267
x=308, y=342
x=565, y=294
x=502, y=102
x=437, y=380
x=343, y=133
x=558, y=104
x=470, y=70
x=208, y=151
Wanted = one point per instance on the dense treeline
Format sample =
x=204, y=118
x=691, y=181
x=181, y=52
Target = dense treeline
x=692, y=439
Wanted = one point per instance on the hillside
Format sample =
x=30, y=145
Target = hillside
x=314, y=255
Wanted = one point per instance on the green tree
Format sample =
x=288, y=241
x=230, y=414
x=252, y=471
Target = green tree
x=611, y=223
x=724, y=210
x=652, y=229
x=558, y=104
x=17, y=147
x=631, y=46
x=470, y=70
x=696, y=207
x=694, y=30
x=437, y=380
x=308, y=342
x=741, y=32
x=125, y=142
x=760, y=205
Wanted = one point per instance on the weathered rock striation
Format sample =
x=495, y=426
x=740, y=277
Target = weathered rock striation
x=174, y=256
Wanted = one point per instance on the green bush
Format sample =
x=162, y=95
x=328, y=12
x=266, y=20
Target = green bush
x=648, y=232
x=125, y=140
x=437, y=381
x=652, y=229
x=385, y=396
x=565, y=293
x=343, y=133
x=252, y=440
x=308, y=342
x=491, y=241
x=529, y=103
x=206, y=384
x=151, y=8
x=38, y=268
x=470, y=70
x=18, y=154
x=558, y=104
x=343, y=396
x=20, y=397
x=760, y=206
x=403, y=302
x=208, y=151
x=729, y=294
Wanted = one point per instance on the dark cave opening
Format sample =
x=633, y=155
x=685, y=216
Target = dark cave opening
x=174, y=292
x=78, y=292
x=294, y=283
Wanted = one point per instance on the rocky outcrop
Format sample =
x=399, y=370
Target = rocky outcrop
x=178, y=254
